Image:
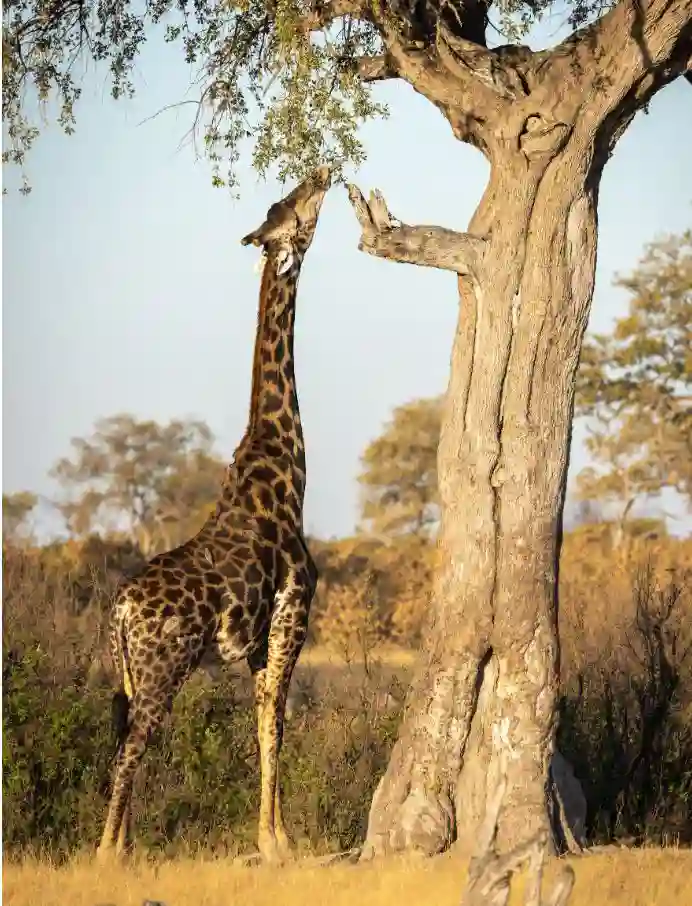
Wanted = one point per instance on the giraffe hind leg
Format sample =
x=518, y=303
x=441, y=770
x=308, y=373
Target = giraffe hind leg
x=123, y=847
x=148, y=709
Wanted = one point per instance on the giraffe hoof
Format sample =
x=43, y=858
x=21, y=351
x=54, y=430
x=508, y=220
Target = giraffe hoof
x=105, y=855
x=109, y=855
x=271, y=853
x=286, y=848
x=248, y=860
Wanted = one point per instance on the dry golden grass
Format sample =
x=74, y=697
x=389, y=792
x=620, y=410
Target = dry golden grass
x=648, y=877
x=391, y=656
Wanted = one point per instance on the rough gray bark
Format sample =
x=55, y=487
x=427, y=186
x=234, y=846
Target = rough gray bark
x=487, y=690
x=490, y=875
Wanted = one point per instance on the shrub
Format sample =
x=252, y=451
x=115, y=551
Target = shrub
x=626, y=709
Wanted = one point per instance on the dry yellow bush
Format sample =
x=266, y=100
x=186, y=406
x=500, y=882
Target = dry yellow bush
x=388, y=586
x=596, y=585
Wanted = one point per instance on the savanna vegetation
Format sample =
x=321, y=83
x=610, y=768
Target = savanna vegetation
x=290, y=84
x=625, y=704
x=626, y=878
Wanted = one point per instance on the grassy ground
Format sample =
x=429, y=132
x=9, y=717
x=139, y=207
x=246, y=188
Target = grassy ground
x=649, y=877
x=392, y=656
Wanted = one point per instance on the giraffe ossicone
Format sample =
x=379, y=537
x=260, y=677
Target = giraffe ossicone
x=241, y=588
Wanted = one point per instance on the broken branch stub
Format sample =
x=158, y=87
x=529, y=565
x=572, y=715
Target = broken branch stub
x=490, y=876
x=384, y=236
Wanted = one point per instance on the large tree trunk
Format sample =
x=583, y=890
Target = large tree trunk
x=487, y=692
x=502, y=469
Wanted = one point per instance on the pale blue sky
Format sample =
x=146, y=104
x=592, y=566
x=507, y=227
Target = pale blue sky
x=125, y=287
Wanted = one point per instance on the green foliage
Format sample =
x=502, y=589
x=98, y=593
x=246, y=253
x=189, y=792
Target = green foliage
x=200, y=786
x=627, y=684
x=263, y=76
x=399, y=472
x=283, y=78
x=635, y=383
x=149, y=475
x=55, y=742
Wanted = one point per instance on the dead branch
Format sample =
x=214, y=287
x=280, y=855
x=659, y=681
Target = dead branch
x=431, y=246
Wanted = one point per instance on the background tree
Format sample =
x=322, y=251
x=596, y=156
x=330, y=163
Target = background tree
x=399, y=473
x=635, y=385
x=140, y=475
x=17, y=509
x=293, y=79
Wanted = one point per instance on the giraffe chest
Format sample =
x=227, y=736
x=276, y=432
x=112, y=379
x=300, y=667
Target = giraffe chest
x=240, y=631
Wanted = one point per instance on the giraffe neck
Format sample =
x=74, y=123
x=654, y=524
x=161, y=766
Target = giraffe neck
x=274, y=412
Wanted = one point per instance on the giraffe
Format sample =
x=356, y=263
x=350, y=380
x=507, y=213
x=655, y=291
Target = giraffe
x=242, y=587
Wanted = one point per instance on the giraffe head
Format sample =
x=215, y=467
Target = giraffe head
x=290, y=224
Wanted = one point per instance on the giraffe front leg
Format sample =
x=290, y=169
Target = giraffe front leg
x=283, y=838
x=274, y=843
x=286, y=636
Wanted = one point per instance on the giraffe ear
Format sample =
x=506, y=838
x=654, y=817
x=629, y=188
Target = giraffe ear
x=253, y=238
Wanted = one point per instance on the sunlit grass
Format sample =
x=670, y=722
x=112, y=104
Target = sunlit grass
x=648, y=877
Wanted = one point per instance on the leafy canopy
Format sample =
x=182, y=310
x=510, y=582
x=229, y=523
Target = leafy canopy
x=138, y=474
x=17, y=509
x=399, y=473
x=290, y=79
x=635, y=383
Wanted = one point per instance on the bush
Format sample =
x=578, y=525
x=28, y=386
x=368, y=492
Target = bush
x=200, y=785
x=626, y=722
x=56, y=742
x=626, y=709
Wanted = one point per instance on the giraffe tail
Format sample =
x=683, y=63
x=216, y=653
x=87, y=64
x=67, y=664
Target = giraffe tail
x=120, y=704
x=120, y=717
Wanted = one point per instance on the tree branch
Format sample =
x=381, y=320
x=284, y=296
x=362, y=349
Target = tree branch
x=618, y=62
x=431, y=246
x=376, y=68
x=498, y=70
x=321, y=15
